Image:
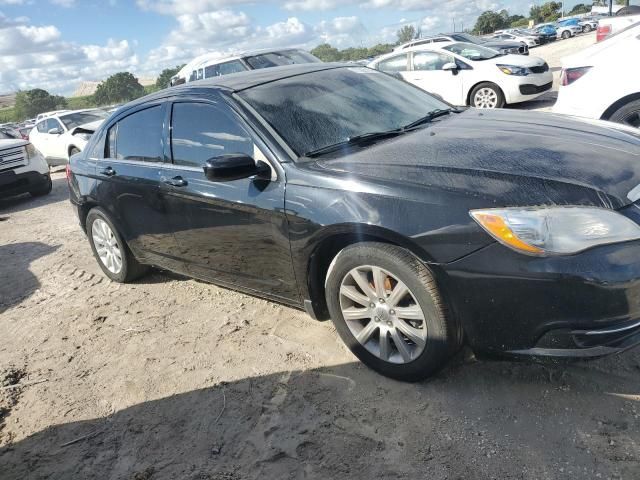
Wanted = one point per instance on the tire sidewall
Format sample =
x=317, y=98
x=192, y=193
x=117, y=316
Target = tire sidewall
x=437, y=348
x=98, y=213
x=620, y=113
x=492, y=86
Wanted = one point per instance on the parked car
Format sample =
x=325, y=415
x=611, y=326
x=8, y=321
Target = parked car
x=588, y=25
x=591, y=84
x=9, y=133
x=611, y=25
x=468, y=74
x=59, y=136
x=528, y=40
x=22, y=169
x=504, y=47
x=547, y=31
x=413, y=230
x=49, y=114
x=568, y=31
x=212, y=65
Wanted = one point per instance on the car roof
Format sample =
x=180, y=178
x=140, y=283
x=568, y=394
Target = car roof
x=414, y=48
x=236, y=82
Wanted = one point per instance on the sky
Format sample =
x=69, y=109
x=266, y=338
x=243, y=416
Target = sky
x=56, y=44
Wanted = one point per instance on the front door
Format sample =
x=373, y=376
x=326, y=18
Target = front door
x=129, y=185
x=55, y=144
x=231, y=232
x=427, y=73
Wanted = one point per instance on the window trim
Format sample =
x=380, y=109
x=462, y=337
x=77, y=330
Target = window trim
x=267, y=155
x=115, y=123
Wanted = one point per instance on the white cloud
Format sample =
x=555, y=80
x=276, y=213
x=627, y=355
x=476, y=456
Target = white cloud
x=37, y=57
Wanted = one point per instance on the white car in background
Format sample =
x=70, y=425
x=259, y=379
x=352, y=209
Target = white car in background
x=62, y=135
x=601, y=81
x=469, y=74
x=22, y=169
x=511, y=36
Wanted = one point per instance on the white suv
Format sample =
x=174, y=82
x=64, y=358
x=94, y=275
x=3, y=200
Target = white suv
x=22, y=169
x=61, y=135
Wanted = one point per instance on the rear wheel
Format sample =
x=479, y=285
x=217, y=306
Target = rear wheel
x=73, y=151
x=628, y=114
x=113, y=255
x=487, y=95
x=587, y=28
x=566, y=34
x=387, y=309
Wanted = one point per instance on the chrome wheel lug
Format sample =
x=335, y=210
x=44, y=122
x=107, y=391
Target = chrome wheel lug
x=392, y=312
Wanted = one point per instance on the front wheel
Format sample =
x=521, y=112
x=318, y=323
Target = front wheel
x=628, y=114
x=387, y=309
x=45, y=190
x=566, y=34
x=587, y=28
x=113, y=255
x=487, y=95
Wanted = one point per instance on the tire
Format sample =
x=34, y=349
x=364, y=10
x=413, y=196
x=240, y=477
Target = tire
x=566, y=34
x=46, y=190
x=437, y=334
x=628, y=114
x=587, y=29
x=496, y=98
x=130, y=268
x=73, y=151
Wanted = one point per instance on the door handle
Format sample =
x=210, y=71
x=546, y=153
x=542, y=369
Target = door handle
x=175, y=181
x=109, y=172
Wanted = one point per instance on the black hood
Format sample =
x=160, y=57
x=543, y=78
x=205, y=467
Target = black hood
x=509, y=158
x=501, y=44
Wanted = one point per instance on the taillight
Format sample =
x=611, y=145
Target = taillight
x=570, y=75
x=68, y=171
x=603, y=32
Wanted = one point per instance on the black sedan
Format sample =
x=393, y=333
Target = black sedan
x=414, y=226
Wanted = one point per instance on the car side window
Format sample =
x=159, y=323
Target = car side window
x=399, y=63
x=227, y=68
x=54, y=123
x=137, y=136
x=42, y=126
x=427, y=61
x=201, y=131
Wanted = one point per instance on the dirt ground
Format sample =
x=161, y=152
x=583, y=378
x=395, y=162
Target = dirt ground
x=171, y=378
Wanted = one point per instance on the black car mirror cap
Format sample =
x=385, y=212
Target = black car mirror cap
x=235, y=166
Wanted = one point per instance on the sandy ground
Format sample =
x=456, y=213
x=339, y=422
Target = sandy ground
x=171, y=378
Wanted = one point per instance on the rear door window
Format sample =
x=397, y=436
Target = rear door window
x=138, y=136
x=394, y=64
x=200, y=131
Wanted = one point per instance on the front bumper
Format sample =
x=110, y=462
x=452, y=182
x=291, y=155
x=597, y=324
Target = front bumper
x=521, y=89
x=583, y=305
x=12, y=183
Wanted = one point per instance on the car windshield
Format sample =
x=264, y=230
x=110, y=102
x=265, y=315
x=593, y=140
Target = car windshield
x=469, y=51
x=276, y=59
x=467, y=37
x=319, y=109
x=74, y=120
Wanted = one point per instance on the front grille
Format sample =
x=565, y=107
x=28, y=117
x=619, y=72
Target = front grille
x=523, y=49
x=540, y=69
x=12, y=158
x=530, y=89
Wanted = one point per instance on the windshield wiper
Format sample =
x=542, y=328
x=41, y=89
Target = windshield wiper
x=365, y=137
x=439, y=112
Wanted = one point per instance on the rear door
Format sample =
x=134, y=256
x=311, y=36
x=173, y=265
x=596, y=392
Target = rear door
x=232, y=232
x=129, y=183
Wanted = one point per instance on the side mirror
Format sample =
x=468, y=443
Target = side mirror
x=235, y=166
x=55, y=131
x=450, y=66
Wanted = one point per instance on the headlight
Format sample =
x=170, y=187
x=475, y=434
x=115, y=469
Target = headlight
x=555, y=230
x=31, y=151
x=84, y=136
x=514, y=70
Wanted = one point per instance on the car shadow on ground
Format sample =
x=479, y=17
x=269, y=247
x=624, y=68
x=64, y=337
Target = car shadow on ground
x=18, y=203
x=476, y=420
x=18, y=282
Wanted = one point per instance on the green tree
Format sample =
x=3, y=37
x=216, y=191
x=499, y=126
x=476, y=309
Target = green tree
x=521, y=23
x=622, y=2
x=547, y=12
x=326, y=53
x=121, y=87
x=165, y=76
x=30, y=103
x=490, y=21
x=580, y=8
x=406, y=34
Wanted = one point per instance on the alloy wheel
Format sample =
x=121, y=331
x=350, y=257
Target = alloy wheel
x=485, y=98
x=106, y=246
x=383, y=314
